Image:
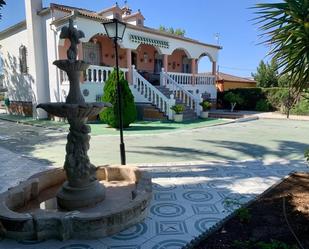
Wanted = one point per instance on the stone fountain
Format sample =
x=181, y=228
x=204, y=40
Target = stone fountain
x=80, y=200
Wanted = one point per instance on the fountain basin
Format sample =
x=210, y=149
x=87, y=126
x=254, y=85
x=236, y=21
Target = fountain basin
x=29, y=212
x=65, y=110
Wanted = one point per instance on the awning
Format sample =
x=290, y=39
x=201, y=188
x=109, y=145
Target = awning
x=149, y=41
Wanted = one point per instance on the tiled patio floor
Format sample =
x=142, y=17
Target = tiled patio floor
x=187, y=199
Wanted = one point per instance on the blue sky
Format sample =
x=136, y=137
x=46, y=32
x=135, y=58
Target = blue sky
x=201, y=19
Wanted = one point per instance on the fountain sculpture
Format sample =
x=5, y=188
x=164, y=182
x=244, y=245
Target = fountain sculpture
x=81, y=200
x=80, y=172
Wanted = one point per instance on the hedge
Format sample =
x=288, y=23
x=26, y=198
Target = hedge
x=261, y=99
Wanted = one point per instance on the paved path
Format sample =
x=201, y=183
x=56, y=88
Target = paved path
x=235, y=161
x=259, y=139
x=188, y=199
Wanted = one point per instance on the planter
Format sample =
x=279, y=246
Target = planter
x=178, y=117
x=204, y=114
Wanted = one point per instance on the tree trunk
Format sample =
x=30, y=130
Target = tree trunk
x=233, y=106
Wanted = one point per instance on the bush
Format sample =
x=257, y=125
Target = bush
x=277, y=97
x=262, y=106
x=206, y=105
x=178, y=109
x=301, y=108
x=306, y=154
x=250, y=97
x=110, y=115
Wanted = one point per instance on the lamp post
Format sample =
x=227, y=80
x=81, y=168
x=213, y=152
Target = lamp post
x=115, y=30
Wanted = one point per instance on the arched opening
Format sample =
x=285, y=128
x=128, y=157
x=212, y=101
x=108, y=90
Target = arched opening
x=205, y=64
x=148, y=62
x=100, y=51
x=179, y=62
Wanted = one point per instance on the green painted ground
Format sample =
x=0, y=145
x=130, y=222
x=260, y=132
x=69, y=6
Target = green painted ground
x=155, y=127
x=139, y=127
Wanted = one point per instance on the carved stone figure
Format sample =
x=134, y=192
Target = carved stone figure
x=82, y=188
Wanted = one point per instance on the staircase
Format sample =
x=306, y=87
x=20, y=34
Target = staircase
x=149, y=112
x=189, y=113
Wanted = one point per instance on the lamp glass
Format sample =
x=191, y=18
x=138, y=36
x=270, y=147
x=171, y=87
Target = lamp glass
x=115, y=29
x=110, y=28
x=121, y=29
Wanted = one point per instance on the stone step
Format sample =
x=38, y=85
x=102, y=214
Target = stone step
x=151, y=113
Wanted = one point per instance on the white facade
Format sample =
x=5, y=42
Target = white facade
x=40, y=35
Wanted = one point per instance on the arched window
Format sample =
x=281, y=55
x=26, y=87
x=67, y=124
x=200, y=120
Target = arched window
x=23, y=59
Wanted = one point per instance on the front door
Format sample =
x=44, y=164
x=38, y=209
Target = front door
x=134, y=59
x=92, y=52
x=158, y=63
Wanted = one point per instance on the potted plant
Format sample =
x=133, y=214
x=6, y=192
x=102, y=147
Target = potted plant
x=178, y=109
x=206, y=105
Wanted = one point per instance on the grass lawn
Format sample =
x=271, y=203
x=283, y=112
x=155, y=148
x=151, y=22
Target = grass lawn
x=139, y=127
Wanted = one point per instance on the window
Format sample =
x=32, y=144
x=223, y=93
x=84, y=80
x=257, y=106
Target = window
x=23, y=59
x=139, y=22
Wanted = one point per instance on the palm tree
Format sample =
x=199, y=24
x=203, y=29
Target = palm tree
x=286, y=28
x=2, y=2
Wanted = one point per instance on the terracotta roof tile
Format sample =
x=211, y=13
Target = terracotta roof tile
x=229, y=77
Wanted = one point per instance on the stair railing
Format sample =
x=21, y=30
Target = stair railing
x=181, y=93
x=152, y=94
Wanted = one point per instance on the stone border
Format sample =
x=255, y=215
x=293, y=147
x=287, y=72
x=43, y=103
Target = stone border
x=216, y=227
x=46, y=224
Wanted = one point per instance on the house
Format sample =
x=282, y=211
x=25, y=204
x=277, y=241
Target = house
x=226, y=82
x=161, y=68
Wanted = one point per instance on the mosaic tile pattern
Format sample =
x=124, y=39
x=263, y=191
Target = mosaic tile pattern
x=187, y=200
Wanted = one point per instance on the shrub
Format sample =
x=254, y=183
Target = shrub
x=234, y=99
x=110, y=115
x=262, y=105
x=301, y=107
x=243, y=214
x=178, y=109
x=7, y=102
x=250, y=97
x=277, y=97
x=206, y=105
x=306, y=154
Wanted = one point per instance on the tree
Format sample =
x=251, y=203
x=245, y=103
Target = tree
x=2, y=3
x=110, y=115
x=234, y=99
x=286, y=28
x=171, y=30
x=267, y=74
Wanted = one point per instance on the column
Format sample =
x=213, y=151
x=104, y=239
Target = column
x=129, y=65
x=214, y=68
x=193, y=70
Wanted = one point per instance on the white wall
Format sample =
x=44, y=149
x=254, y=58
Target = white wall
x=19, y=85
x=195, y=50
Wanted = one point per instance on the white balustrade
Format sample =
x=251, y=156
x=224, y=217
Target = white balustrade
x=181, y=93
x=188, y=79
x=99, y=74
x=152, y=94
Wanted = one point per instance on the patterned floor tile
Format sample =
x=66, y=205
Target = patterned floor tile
x=171, y=227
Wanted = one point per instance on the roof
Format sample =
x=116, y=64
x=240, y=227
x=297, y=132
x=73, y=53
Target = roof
x=232, y=78
x=17, y=27
x=95, y=15
x=133, y=15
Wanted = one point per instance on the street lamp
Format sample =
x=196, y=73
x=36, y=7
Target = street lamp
x=115, y=30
